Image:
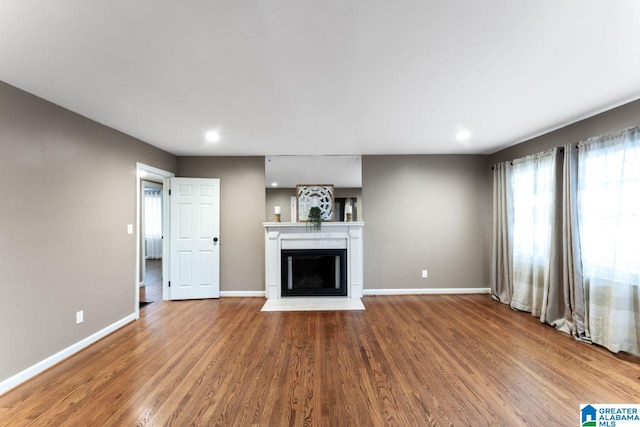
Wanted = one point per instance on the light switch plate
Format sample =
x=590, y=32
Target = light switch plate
x=129, y=228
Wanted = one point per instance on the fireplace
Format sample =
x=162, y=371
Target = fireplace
x=314, y=272
x=342, y=239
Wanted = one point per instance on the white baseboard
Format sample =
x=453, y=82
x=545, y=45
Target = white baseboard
x=45, y=364
x=224, y=294
x=427, y=291
x=420, y=291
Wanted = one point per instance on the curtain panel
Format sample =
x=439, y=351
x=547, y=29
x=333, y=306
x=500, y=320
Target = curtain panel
x=152, y=224
x=566, y=238
x=535, y=261
x=502, y=260
x=609, y=227
x=536, y=265
x=574, y=321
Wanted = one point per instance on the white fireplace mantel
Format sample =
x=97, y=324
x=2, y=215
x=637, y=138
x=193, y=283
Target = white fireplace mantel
x=332, y=235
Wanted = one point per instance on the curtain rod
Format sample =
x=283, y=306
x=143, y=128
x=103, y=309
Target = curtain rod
x=560, y=149
x=577, y=146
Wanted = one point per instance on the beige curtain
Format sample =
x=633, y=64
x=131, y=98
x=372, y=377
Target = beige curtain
x=566, y=238
x=152, y=224
x=537, y=254
x=502, y=260
x=528, y=251
x=573, y=320
x=554, y=307
x=609, y=225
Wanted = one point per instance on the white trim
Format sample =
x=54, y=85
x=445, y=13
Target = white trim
x=47, y=363
x=225, y=294
x=279, y=235
x=166, y=235
x=369, y=292
x=427, y=291
x=153, y=170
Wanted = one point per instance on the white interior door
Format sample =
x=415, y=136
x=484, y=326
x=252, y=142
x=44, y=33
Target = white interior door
x=195, y=244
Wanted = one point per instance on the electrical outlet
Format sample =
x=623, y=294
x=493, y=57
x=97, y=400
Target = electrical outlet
x=79, y=317
x=425, y=274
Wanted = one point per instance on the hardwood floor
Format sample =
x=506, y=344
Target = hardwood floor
x=152, y=289
x=405, y=361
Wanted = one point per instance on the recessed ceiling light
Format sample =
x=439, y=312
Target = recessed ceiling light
x=463, y=135
x=212, y=136
x=274, y=184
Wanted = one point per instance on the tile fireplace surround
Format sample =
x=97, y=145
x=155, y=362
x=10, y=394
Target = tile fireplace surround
x=294, y=235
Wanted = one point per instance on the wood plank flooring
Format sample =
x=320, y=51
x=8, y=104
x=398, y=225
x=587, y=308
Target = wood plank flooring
x=461, y=360
x=152, y=289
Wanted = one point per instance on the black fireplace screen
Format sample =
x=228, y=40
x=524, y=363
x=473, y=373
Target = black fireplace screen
x=314, y=272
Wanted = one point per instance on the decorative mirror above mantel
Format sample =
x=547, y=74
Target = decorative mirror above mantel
x=284, y=173
x=289, y=171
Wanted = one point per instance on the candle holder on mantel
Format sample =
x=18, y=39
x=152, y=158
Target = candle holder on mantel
x=349, y=216
x=276, y=217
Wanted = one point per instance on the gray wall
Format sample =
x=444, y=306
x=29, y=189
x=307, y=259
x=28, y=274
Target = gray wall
x=445, y=226
x=625, y=116
x=426, y=212
x=68, y=192
x=242, y=207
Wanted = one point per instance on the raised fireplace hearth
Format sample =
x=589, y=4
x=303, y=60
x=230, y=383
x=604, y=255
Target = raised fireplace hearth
x=303, y=263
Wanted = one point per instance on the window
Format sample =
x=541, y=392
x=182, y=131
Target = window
x=152, y=224
x=532, y=184
x=152, y=214
x=589, y=284
x=609, y=209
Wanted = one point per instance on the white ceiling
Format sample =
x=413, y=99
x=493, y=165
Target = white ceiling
x=285, y=77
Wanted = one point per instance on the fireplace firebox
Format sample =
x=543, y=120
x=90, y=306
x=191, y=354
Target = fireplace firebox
x=314, y=272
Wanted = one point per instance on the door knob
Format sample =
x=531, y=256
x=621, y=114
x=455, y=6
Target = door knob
x=215, y=240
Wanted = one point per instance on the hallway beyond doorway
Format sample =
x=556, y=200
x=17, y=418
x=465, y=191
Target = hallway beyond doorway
x=152, y=289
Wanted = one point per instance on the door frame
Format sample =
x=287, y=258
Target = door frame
x=142, y=171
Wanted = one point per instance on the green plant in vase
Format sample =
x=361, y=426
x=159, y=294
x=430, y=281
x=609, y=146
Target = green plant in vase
x=314, y=220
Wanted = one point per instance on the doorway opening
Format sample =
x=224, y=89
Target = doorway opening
x=152, y=266
x=152, y=237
